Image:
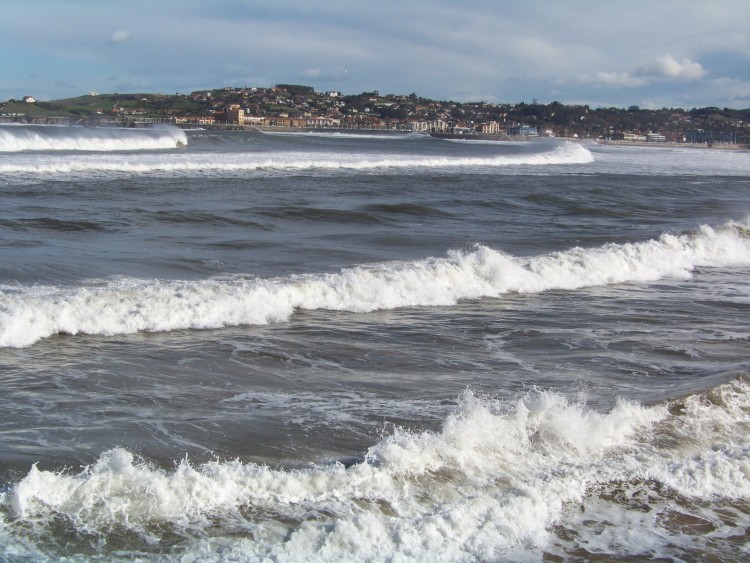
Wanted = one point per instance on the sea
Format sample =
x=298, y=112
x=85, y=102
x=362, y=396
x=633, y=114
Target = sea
x=337, y=346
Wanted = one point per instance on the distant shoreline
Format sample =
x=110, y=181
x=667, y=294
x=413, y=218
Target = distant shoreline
x=405, y=132
x=719, y=146
x=288, y=129
x=459, y=136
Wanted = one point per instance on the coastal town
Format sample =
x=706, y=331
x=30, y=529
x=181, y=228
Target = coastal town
x=302, y=107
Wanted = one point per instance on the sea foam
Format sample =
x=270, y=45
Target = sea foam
x=492, y=482
x=99, y=139
x=129, y=305
x=283, y=162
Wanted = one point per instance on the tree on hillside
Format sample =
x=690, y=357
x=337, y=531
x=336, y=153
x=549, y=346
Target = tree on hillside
x=297, y=89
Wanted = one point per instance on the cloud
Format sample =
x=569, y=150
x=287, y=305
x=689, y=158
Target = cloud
x=663, y=68
x=670, y=68
x=731, y=89
x=618, y=80
x=327, y=74
x=120, y=36
x=437, y=48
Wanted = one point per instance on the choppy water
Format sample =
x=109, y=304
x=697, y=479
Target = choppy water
x=246, y=346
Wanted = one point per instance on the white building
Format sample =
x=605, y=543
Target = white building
x=633, y=137
x=493, y=128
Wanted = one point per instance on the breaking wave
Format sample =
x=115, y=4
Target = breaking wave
x=99, y=139
x=501, y=479
x=128, y=305
x=286, y=161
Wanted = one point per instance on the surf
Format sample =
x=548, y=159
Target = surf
x=129, y=305
x=284, y=162
x=94, y=139
x=501, y=477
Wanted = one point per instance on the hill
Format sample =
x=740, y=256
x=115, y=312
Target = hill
x=301, y=106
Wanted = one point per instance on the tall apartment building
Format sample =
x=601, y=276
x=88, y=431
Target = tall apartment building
x=235, y=114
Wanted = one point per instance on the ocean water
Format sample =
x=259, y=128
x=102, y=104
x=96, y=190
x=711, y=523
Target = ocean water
x=249, y=346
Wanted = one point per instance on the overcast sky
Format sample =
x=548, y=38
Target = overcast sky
x=651, y=53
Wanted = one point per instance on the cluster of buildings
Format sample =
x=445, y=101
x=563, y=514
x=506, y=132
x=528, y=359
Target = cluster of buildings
x=639, y=138
x=337, y=113
x=237, y=116
x=300, y=106
x=284, y=107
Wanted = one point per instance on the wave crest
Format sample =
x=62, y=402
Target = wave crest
x=494, y=480
x=284, y=162
x=99, y=139
x=127, y=305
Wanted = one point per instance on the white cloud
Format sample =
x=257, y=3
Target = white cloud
x=663, y=68
x=618, y=80
x=437, y=48
x=669, y=67
x=120, y=36
x=731, y=89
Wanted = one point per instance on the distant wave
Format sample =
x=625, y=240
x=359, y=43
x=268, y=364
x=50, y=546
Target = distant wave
x=127, y=305
x=100, y=139
x=289, y=161
x=344, y=135
x=501, y=479
x=496, y=142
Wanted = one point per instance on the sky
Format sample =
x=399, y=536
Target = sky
x=603, y=53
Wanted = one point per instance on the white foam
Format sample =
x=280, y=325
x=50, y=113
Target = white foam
x=490, y=484
x=127, y=305
x=99, y=139
x=234, y=163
